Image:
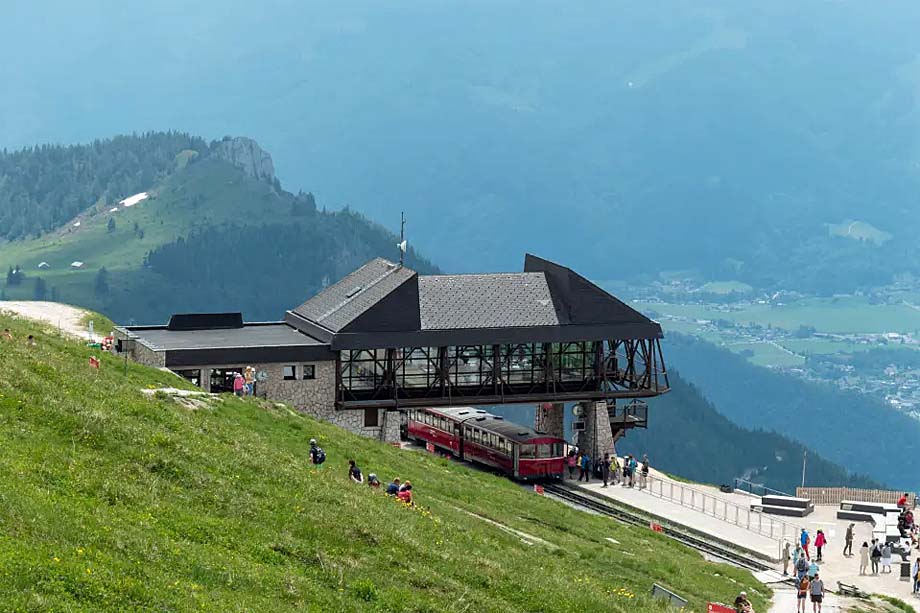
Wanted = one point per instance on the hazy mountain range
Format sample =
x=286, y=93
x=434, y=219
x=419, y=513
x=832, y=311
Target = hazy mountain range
x=775, y=143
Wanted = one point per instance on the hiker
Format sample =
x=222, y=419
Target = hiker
x=614, y=469
x=813, y=569
x=572, y=461
x=7, y=335
x=786, y=557
x=633, y=468
x=585, y=468
x=820, y=542
x=802, y=594
x=249, y=376
x=354, y=473
x=849, y=541
x=605, y=469
x=886, y=557
x=373, y=481
x=863, y=558
x=393, y=488
x=317, y=455
x=817, y=593
x=238, y=384
x=643, y=472
x=405, y=493
x=915, y=575
x=742, y=604
x=875, y=554
x=805, y=540
x=801, y=566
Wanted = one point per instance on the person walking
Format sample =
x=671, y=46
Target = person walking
x=820, y=542
x=817, y=593
x=633, y=469
x=787, y=555
x=238, y=384
x=801, y=567
x=643, y=472
x=863, y=558
x=585, y=467
x=802, y=589
x=572, y=462
x=915, y=575
x=614, y=469
x=886, y=557
x=804, y=541
x=848, y=548
x=605, y=469
x=875, y=555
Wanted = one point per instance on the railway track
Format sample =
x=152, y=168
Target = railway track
x=710, y=548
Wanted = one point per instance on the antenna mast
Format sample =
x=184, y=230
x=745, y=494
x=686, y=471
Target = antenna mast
x=402, y=237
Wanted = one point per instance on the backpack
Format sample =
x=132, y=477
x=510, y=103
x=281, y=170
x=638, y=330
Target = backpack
x=319, y=456
x=802, y=564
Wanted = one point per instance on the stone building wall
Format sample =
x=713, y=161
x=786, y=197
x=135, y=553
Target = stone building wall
x=140, y=353
x=597, y=437
x=549, y=418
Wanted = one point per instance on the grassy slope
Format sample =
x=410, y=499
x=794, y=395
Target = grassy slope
x=111, y=501
x=204, y=193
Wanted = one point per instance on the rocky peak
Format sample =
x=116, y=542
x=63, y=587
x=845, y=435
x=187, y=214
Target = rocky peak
x=247, y=155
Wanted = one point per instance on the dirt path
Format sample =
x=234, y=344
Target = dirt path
x=61, y=316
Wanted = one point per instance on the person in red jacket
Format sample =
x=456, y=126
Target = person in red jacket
x=405, y=492
x=820, y=542
x=902, y=501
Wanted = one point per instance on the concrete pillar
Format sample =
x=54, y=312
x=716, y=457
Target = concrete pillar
x=597, y=437
x=389, y=430
x=205, y=381
x=549, y=418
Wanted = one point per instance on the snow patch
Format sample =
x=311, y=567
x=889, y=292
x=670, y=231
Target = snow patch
x=132, y=200
x=114, y=209
x=76, y=224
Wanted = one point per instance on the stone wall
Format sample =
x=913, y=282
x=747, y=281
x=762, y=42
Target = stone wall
x=549, y=418
x=597, y=437
x=140, y=353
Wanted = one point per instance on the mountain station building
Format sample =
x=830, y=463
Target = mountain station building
x=385, y=339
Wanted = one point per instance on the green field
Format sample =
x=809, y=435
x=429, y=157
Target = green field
x=114, y=501
x=210, y=192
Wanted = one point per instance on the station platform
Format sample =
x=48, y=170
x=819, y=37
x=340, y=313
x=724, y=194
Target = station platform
x=762, y=547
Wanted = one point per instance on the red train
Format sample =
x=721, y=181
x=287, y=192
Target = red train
x=478, y=436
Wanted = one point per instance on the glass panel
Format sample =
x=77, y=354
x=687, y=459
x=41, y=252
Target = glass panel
x=528, y=451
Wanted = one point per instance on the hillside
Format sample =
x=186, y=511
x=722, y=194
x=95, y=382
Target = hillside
x=119, y=501
x=847, y=428
x=687, y=436
x=734, y=139
x=267, y=249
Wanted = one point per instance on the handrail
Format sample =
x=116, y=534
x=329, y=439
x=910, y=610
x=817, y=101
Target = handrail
x=761, y=490
x=720, y=508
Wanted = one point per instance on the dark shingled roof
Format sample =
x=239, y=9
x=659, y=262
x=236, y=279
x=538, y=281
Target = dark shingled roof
x=386, y=305
x=506, y=300
x=338, y=305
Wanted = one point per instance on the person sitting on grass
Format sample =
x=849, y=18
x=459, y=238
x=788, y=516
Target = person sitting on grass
x=393, y=488
x=7, y=335
x=354, y=473
x=742, y=604
x=405, y=493
x=373, y=481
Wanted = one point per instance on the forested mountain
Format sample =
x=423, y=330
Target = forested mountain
x=687, y=436
x=44, y=187
x=777, y=143
x=854, y=430
x=216, y=231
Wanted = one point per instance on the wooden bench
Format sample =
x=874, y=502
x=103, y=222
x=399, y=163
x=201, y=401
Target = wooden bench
x=850, y=590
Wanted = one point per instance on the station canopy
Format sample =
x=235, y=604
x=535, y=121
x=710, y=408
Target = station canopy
x=383, y=304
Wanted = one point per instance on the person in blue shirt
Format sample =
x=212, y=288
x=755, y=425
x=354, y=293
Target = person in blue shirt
x=804, y=541
x=585, y=468
x=393, y=488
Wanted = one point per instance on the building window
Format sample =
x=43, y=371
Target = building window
x=371, y=418
x=309, y=371
x=290, y=372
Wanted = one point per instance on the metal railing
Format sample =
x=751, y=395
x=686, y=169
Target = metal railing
x=720, y=508
x=756, y=489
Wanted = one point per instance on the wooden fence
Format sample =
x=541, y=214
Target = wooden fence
x=835, y=495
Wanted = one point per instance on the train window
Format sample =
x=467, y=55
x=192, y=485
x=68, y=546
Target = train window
x=493, y=441
x=501, y=445
x=528, y=451
x=544, y=451
x=467, y=433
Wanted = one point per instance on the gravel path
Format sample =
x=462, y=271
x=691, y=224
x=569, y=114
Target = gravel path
x=62, y=316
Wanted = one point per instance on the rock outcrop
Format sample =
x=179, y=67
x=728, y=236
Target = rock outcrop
x=246, y=154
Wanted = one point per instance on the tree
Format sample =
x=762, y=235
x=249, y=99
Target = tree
x=101, y=287
x=15, y=276
x=111, y=225
x=41, y=290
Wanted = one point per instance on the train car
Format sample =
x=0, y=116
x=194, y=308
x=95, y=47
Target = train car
x=475, y=435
